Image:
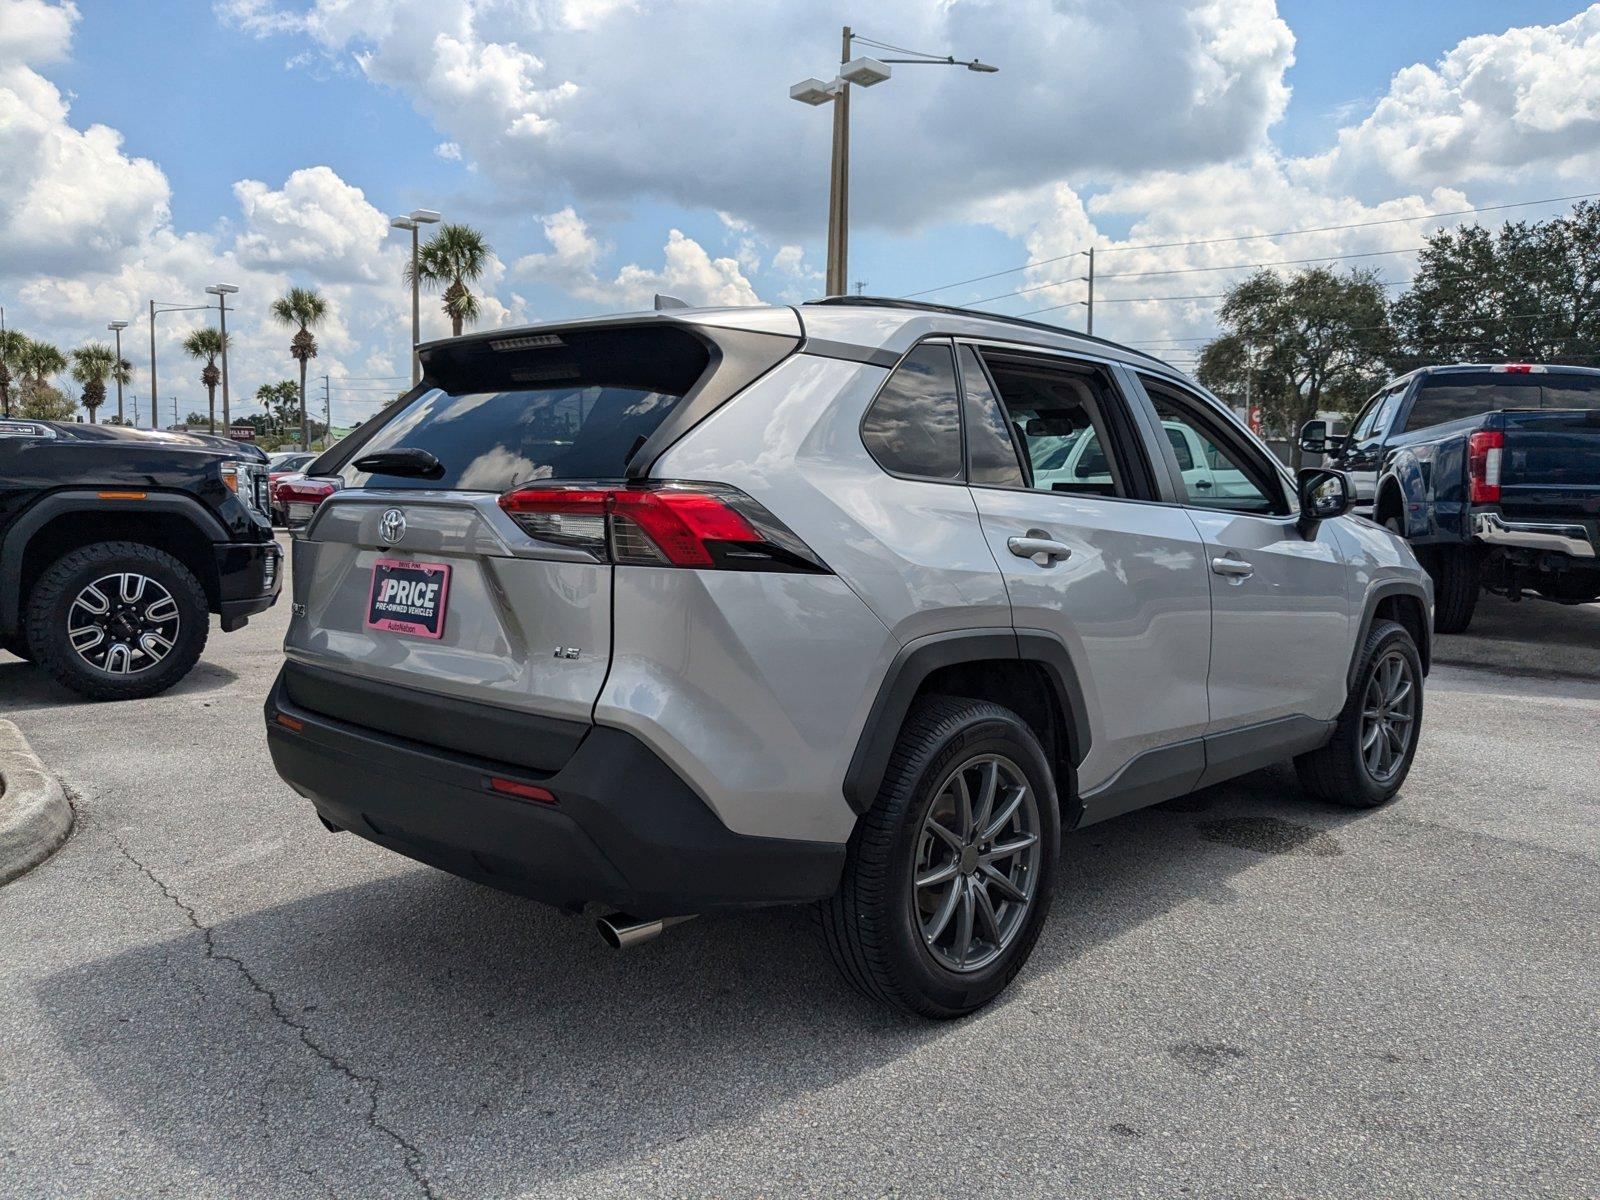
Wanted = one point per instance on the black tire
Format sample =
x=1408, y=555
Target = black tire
x=1339, y=772
x=872, y=927
x=1455, y=588
x=49, y=609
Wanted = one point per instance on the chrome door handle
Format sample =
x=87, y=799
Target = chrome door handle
x=1045, y=551
x=1234, y=568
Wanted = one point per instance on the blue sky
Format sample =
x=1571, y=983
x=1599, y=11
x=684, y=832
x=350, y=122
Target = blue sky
x=267, y=141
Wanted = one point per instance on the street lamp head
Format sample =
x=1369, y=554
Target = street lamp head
x=402, y=223
x=221, y=289
x=117, y=325
x=982, y=68
x=864, y=72
x=424, y=216
x=814, y=91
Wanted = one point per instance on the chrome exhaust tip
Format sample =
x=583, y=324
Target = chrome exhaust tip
x=620, y=931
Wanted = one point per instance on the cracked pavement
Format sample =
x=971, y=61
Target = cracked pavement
x=205, y=994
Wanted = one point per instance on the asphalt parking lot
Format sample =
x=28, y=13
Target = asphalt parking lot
x=205, y=994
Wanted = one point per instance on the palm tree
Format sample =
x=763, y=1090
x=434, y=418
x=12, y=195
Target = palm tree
x=11, y=344
x=207, y=343
x=36, y=362
x=304, y=308
x=91, y=365
x=452, y=258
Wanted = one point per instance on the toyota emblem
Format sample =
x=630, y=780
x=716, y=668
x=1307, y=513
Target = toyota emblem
x=392, y=526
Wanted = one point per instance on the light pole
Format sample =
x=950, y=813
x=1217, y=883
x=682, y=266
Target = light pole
x=864, y=72
x=155, y=413
x=414, y=221
x=222, y=291
x=117, y=327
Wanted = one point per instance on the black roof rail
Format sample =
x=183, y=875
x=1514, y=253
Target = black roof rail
x=955, y=311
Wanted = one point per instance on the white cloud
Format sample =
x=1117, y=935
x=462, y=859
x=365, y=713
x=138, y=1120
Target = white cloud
x=70, y=198
x=707, y=124
x=449, y=151
x=1522, y=105
x=687, y=270
x=316, y=223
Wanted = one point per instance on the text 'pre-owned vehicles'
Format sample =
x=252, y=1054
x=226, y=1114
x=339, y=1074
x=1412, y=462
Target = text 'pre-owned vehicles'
x=859, y=603
x=116, y=544
x=1492, y=472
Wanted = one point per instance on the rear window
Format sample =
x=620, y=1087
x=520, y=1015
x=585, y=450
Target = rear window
x=572, y=406
x=1459, y=395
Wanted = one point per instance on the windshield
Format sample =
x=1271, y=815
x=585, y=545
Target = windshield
x=492, y=441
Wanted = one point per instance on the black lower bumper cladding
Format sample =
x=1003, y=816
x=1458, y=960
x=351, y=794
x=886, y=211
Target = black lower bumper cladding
x=623, y=830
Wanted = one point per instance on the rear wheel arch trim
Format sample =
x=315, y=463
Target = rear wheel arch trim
x=920, y=658
x=14, y=547
x=1369, y=613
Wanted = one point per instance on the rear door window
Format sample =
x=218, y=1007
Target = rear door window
x=1455, y=395
x=1060, y=415
x=577, y=406
x=913, y=427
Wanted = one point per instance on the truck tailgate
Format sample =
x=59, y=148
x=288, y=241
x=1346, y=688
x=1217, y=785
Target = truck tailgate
x=1550, y=466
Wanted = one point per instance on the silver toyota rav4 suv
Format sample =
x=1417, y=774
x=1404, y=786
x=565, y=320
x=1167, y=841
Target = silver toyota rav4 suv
x=861, y=603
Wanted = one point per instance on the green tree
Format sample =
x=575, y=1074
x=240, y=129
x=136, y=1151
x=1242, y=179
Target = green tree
x=281, y=402
x=92, y=365
x=1296, y=346
x=1525, y=292
x=452, y=258
x=11, y=344
x=206, y=343
x=301, y=309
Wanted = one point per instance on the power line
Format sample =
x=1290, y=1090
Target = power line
x=1246, y=237
x=1158, y=299
x=1285, y=262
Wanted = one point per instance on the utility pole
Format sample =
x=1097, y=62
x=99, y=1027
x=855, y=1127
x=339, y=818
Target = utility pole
x=1090, y=278
x=222, y=291
x=327, y=413
x=155, y=416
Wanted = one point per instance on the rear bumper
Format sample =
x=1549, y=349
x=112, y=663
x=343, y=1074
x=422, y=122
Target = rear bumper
x=249, y=578
x=1570, y=539
x=624, y=831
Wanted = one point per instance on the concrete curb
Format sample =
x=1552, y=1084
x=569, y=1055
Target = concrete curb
x=35, y=817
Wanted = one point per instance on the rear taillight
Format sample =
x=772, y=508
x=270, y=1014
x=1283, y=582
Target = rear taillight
x=1483, y=466
x=300, y=497
x=662, y=525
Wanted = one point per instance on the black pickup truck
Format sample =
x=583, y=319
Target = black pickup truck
x=116, y=543
x=1492, y=472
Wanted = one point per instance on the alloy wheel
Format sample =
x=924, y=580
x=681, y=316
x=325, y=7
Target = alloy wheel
x=123, y=623
x=976, y=864
x=1388, y=715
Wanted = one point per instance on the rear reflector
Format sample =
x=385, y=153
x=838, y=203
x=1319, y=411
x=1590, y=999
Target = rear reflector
x=523, y=791
x=1483, y=466
x=703, y=525
x=289, y=723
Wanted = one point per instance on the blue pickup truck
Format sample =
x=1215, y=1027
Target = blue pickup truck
x=1492, y=472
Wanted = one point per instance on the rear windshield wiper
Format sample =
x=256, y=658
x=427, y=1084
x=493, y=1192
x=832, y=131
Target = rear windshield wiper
x=407, y=461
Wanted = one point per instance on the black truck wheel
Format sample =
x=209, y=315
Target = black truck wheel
x=1375, y=740
x=117, y=620
x=949, y=875
x=1455, y=588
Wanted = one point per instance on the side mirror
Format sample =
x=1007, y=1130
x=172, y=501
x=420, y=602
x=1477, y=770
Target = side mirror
x=1324, y=494
x=1314, y=437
